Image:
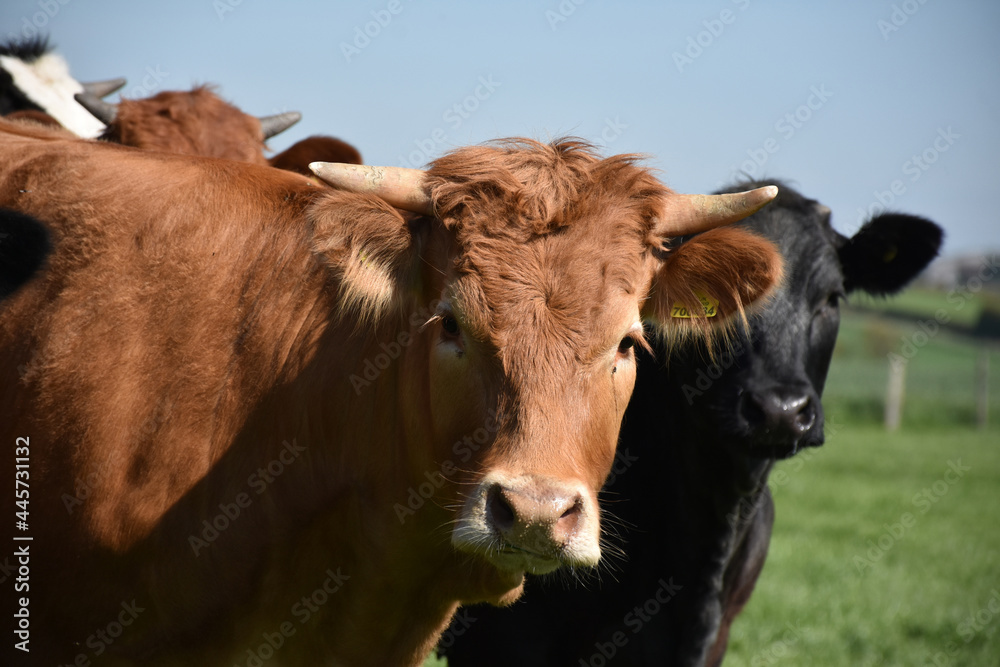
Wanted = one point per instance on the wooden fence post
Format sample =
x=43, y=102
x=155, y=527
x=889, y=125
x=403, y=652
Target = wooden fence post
x=894, y=392
x=983, y=387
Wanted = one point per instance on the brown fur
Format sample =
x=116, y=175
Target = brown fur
x=316, y=148
x=159, y=363
x=33, y=115
x=196, y=122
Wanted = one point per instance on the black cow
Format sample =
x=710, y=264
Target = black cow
x=703, y=430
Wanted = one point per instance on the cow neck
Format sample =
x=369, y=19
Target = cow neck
x=712, y=491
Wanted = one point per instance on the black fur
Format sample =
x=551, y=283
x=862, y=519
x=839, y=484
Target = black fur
x=29, y=50
x=24, y=246
x=888, y=251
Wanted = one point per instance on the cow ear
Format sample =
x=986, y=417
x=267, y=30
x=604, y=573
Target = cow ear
x=370, y=248
x=707, y=283
x=888, y=252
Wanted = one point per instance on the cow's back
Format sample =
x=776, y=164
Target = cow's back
x=126, y=339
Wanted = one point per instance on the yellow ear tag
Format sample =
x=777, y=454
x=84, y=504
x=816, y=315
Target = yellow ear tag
x=709, y=305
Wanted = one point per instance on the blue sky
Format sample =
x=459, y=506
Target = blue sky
x=847, y=100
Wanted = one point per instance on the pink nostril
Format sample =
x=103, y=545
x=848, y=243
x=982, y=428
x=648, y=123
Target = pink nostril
x=499, y=511
x=566, y=525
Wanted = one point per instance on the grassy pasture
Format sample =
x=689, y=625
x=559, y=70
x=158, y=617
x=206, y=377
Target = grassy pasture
x=886, y=551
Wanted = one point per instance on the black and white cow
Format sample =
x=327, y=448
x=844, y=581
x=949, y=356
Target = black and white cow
x=34, y=79
x=699, y=439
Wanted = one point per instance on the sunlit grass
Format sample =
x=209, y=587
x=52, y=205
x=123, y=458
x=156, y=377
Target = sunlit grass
x=880, y=555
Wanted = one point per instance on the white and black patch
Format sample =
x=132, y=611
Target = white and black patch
x=46, y=82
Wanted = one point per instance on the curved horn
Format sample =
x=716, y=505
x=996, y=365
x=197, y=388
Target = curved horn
x=272, y=125
x=690, y=214
x=100, y=109
x=102, y=88
x=399, y=186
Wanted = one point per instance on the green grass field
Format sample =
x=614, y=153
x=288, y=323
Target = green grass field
x=963, y=307
x=886, y=546
x=868, y=568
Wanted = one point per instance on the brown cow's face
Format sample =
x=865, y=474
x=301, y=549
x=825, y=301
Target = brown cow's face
x=537, y=350
x=533, y=276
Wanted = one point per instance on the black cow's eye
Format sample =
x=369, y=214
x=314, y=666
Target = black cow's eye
x=450, y=325
x=627, y=343
x=830, y=306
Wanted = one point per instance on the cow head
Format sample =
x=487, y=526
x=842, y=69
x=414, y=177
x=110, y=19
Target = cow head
x=34, y=78
x=764, y=393
x=533, y=268
x=196, y=122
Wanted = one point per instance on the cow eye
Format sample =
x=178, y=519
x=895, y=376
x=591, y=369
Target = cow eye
x=450, y=325
x=832, y=303
x=627, y=343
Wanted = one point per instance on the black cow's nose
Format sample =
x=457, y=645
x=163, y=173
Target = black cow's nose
x=779, y=412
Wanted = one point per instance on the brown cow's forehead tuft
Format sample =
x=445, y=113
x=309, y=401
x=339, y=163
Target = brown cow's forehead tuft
x=554, y=299
x=552, y=246
x=521, y=188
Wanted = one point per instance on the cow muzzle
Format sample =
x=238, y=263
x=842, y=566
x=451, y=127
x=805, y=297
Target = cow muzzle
x=530, y=523
x=782, y=419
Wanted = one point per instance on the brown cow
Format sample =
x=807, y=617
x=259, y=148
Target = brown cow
x=317, y=148
x=306, y=432
x=195, y=122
